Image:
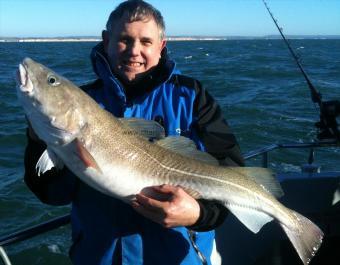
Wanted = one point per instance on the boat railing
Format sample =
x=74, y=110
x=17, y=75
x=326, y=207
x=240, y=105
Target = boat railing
x=31, y=232
x=65, y=219
x=263, y=152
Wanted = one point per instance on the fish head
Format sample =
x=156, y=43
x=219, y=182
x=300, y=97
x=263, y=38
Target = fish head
x=50, y=102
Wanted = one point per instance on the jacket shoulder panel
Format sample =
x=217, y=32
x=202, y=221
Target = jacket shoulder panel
x=180, y=80
x=96, y=84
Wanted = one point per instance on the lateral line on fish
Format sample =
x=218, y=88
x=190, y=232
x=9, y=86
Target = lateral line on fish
x=204, y=176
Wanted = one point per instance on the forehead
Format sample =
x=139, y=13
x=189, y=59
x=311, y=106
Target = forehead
x=144, y=26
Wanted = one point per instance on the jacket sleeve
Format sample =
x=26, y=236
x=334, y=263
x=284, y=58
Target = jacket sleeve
x=53, y=187
x=218, y=140
x=213, y=130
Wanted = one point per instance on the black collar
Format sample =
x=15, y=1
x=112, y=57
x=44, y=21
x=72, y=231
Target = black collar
x=152, y=80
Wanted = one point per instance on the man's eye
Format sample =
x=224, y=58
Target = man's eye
x=123, y=40
x=147, y=42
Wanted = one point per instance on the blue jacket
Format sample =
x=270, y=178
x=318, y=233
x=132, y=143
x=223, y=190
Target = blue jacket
x=104, y=228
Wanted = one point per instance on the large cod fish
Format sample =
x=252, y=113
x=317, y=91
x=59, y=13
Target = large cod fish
x=115, y=157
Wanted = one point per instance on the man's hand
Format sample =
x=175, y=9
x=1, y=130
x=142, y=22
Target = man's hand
x=167, y=205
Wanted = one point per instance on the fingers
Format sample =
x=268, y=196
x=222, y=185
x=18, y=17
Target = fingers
x=161, y=193
x=149, y=208
x=151, y=203
x=167, y=205
x=168, y=189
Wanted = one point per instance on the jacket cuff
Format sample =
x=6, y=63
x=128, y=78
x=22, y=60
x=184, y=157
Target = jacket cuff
x=212, y=214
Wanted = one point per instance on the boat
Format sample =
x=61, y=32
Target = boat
x=311, y=192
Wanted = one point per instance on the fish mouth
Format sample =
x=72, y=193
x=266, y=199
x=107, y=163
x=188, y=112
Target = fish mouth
x=23, y=80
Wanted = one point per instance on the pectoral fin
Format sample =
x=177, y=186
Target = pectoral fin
x=48, y=160
x=336, y=196
x=85, y=156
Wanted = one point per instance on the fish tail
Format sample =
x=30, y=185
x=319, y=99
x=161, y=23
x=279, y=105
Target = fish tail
x=306, y=237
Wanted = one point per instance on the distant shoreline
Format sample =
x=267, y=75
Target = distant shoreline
x=99, y=39
x=170, y=38
x=50, y=40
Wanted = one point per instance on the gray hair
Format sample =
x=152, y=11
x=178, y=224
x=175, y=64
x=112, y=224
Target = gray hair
x=136, y=10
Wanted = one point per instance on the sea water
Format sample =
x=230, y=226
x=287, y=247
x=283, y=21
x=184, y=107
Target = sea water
x=261, y=92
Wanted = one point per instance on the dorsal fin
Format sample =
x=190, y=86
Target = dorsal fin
x=147, y=128
x=186, y=147
x=264, y=177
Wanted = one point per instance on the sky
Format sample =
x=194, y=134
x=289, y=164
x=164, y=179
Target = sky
x=63, y=18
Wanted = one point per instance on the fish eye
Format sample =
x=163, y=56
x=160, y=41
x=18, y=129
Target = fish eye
x=52, y=80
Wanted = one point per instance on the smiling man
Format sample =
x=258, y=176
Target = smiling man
x=133, y=44
x=136, y=78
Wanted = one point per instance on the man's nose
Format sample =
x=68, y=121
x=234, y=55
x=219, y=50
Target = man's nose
x=134, y=48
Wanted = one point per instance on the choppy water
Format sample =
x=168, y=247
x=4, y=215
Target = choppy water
x=263, y=96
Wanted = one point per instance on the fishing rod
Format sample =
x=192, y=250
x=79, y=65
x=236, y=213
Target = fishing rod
x=329, y=110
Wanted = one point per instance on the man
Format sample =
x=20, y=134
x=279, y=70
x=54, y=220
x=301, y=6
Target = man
x=137, y=79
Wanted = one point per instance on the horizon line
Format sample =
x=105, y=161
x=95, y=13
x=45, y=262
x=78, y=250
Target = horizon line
x=170, y=36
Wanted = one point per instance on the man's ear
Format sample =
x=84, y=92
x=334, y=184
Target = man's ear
x=106, y=39
x=163, y=44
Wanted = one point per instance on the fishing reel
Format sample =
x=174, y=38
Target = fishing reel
x=328, y=126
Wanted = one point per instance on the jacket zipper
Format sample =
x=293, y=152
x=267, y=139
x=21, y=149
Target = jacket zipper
x=192, y=237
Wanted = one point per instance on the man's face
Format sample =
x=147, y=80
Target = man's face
x=133, y=48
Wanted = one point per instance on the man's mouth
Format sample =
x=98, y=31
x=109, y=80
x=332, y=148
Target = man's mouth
x=133, y=64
